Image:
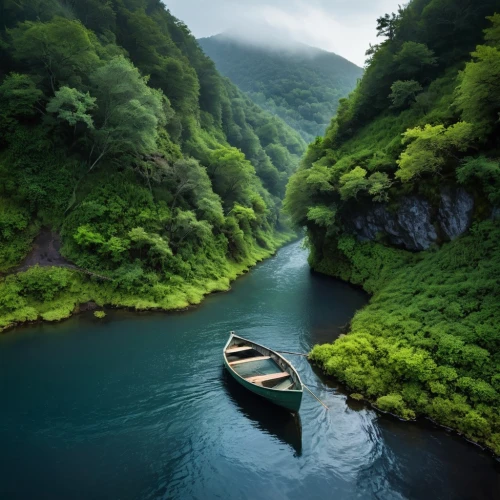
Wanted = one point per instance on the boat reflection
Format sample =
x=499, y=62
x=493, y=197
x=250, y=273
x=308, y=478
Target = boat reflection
x=269, y=418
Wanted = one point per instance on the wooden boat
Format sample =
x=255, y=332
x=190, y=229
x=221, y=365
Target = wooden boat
x=263, y=371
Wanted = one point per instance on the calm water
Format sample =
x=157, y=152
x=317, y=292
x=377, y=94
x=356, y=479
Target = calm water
x=138, y=406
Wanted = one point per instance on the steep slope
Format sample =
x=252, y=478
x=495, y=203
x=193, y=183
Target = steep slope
x=300, y=84
x=401, y=196
x=118, y=133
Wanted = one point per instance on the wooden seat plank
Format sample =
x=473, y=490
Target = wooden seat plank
x=232, y=350
x=249, y=360
x=266, y=378
x=285, y=385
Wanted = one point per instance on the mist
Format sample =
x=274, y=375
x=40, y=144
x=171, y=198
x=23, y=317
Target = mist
x=261, y=34
x=345, y=27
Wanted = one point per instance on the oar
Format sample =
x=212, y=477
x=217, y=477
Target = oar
x=314, y=395
x=296, y=353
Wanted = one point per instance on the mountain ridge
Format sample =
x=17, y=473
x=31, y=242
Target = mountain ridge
x=273, y=43
x=299, y=83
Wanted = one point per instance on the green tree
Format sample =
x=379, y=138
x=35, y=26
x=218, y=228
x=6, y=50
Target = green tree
x=413, y=58
x=404, y=93
x=232, y=174
x=72, y=106
x=304, y=187
x=429, y=148
x=280, y=156
x=62, y=50
x=245, y=216
x=19, y=98
x=187, y=225
x=157, y=247
x=394, y=403
x=324, y=216
x=379, y=184
x=128, y=112
x=153, y=51
x=387, y=25
x=478, y=95
x=353, y=183
x=189, y=180
x=486, y=171
x=492, y=34
x=97, y=15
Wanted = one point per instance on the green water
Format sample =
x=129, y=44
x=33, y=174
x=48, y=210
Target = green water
x=138, y=406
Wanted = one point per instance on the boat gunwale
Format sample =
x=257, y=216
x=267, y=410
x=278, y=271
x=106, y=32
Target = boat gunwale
x=232, y=336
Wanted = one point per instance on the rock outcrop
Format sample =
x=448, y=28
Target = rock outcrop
x=415, y=225
x=455, y=212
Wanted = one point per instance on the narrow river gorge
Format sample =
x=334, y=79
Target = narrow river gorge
x=138, y=406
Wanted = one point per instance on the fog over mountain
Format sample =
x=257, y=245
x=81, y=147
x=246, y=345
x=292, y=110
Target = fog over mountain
x=263, y=35
x=345, y=27
x=299, y=83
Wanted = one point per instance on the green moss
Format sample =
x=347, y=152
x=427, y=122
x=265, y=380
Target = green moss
x=356, y=396
x=99, y=314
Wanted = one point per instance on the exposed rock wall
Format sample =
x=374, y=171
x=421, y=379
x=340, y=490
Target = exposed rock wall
x=455, y=211
x=416, y=224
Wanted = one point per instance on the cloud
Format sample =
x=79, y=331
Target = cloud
x=345, y=27
x=315, y=26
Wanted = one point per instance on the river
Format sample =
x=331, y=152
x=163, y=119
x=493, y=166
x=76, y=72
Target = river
x=138, y=406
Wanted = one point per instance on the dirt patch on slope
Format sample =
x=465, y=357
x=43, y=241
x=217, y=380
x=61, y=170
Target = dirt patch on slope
x=45, y=252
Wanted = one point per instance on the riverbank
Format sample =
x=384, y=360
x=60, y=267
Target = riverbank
x=427, y=343
x=422, y=421
x=54, y=293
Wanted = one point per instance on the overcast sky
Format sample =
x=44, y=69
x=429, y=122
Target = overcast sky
x=345, y=27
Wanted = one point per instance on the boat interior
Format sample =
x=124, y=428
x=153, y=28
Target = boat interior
x=257, y=368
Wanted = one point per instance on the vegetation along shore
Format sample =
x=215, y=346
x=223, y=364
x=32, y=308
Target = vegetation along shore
x=401, y=196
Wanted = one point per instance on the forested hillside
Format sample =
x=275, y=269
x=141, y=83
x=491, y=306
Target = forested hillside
x=402, y=196
x=117, y=132
x=300, y=84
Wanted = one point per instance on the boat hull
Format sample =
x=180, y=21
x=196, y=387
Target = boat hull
x=290, y=400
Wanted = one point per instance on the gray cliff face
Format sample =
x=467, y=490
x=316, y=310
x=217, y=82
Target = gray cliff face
x=415, y=225
x=455, y=211
x=410, y=227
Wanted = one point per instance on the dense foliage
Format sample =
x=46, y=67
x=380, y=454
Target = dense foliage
x=425, y=115
x=428, y=342
x=118, y=132
x=300, y=84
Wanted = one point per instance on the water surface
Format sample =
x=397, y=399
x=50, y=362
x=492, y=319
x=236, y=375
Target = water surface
x=138, y=406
